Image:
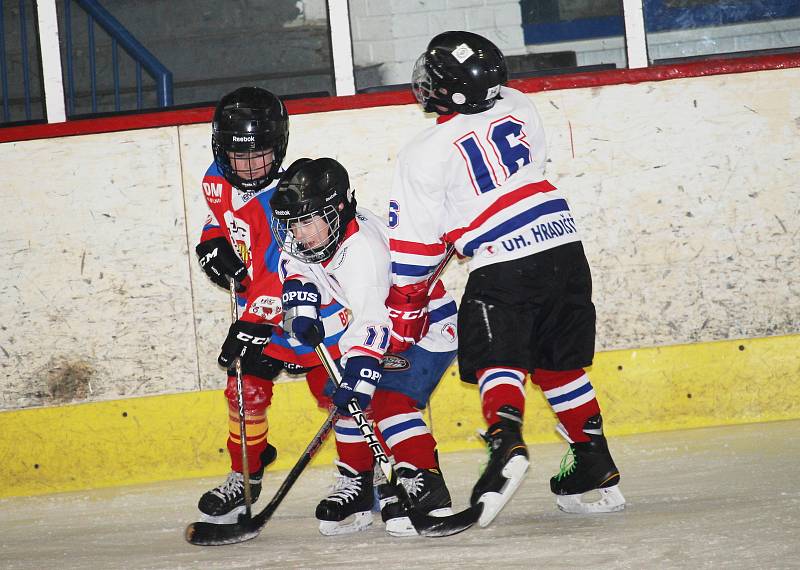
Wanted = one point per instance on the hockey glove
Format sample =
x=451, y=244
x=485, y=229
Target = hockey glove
x=221, y=263
x=301, y=317
x=246, y=340
x=408, y=309
x=361, y=376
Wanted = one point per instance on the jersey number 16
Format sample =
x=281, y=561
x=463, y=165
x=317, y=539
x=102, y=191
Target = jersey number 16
x=492, y=159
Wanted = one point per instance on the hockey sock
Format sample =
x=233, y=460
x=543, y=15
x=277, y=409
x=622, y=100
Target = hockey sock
x=500, y=387
x=402, y=428
x=571, y=396
x=316, y=378
x=351, y=447
x=257, y=397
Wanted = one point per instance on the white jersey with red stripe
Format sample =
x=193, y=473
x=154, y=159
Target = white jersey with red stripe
x=475, y=181
x=358, y=277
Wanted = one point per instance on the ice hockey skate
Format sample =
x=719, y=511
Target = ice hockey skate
x=586, y=467
x=224, y=504
x=349, y=506
x=426, y=489
x=507, y=466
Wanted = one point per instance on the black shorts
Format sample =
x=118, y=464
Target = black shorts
x=534, y=312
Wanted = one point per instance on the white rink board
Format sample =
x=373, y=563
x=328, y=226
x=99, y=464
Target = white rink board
x=685, y=191
x=96, y=299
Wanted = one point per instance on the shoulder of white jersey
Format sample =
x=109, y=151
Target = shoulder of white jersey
x=369, y=245
x=369, y=218
x=418, y=143
x=507, y=92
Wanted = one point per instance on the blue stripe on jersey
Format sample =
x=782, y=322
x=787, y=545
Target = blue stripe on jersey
x=302, y=350
x=329, y=310
x=273, y=253
x=411, y=270
x=401, y=427
x=210, y=226
x=570, y=395
x=443, y=312
x=513, y=224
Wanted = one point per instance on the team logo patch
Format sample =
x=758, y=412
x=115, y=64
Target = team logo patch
x=487, y=250
x=395, y=363
x=266, y=307
x=462, y=53
x=492, y=92
x=449, y=332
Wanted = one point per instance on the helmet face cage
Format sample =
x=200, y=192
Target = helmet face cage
x=250, y=133
x=309, y=238
x=421, y=82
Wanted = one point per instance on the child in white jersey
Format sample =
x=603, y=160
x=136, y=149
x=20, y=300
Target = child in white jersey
x=475, y=180
x=332, y=251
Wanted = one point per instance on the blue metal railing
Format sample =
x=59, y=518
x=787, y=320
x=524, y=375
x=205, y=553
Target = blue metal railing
x=22, y=80
x=26, y=81
x=120, y=37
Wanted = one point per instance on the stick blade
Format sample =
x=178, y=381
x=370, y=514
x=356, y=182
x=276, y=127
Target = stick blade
x=426, y=525
x=209, y=534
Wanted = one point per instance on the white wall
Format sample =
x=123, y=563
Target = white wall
x=394, y=32
x=686, y=192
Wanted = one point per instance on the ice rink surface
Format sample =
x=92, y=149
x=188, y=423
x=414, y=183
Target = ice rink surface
x=726, y=497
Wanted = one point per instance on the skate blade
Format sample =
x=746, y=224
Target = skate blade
x=401, y=526
x=515, y=471
x=611, y=500
x=354, y=523
x=228, y=518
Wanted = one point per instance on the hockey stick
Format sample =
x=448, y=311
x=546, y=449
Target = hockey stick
x=211, y=534
x=237, y=363
x=425, y=525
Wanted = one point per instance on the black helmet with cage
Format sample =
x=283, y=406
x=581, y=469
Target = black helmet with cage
x=460, y=72
x=248, y=124
x=311, y=209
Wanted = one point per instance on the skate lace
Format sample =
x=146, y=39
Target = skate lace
x=568, y=464
x=233, y=486
x=345, y=489
x=413, y=485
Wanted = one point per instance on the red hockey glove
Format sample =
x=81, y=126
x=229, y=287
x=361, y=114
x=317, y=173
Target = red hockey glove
x=408, y=309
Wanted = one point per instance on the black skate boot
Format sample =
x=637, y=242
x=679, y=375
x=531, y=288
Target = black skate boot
x=223, y=504
x=351, y=496
x=428, y=493
x=585, y=467
x=507, y=467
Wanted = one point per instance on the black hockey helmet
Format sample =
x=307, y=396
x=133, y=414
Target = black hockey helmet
x=461, y=72
x=311, y=209
x=250, y=120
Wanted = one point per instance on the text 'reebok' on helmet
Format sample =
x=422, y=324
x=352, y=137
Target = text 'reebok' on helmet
x=460, y=72
x=311, y=208
x=249, y=136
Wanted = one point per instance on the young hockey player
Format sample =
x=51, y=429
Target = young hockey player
x=332, y=251
x=475, y=180
x=250, y=132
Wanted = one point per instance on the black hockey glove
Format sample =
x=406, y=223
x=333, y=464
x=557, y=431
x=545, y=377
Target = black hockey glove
x=359, y=380
x=220, y=263
x=246, y=340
